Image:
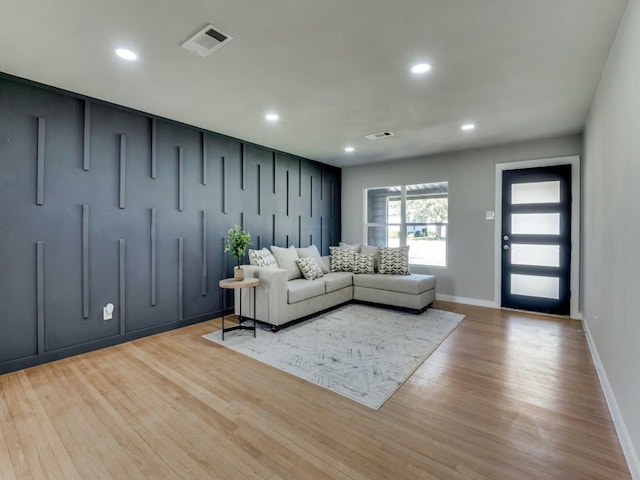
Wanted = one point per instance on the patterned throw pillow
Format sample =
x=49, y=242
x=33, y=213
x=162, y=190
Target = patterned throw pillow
x=262, y=258
x=309, y=268
x=394, y=261
x=375, y=251
x=342, y=259
x=356, y=247
x=363, y=263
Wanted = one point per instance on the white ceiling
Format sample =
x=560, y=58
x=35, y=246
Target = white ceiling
x=335, y=70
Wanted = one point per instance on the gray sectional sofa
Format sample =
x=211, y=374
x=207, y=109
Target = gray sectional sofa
x=281, y=299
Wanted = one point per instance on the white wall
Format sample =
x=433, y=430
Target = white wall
x=471, y=176
x=611, y=229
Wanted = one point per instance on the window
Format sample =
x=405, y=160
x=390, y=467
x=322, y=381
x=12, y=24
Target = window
x=414, y=215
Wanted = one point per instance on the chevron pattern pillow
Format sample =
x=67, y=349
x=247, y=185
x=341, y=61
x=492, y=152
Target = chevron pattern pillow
x=309, y=268
x=342, y=259
x=394, y=261
x=262, y=258
x=363, y=263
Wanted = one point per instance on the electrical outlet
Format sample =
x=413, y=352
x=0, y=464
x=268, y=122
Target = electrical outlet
x=595, y=321
x=107, y=312
x=490, y=215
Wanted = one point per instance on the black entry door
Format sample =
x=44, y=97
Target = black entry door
x=536, y=239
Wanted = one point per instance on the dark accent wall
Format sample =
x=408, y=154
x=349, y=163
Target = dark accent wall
x=101, y=204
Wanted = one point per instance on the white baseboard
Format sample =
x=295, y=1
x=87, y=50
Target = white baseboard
x=618, y=421
x=466, y=301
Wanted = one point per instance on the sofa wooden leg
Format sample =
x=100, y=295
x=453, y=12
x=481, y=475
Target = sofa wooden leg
x=275, y=328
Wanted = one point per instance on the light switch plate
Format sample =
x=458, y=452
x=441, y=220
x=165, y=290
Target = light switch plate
x=490, y=215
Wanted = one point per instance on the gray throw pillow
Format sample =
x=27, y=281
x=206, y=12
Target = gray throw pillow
x=342, y=259
x=309, y=268
x=394, y=261
x=286, y=258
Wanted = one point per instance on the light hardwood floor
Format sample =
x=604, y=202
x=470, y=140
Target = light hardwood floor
x=506, y=396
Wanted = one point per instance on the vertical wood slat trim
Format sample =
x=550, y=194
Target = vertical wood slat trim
x=204, y=159
x=287, y=194
x=273, y=171
x=180, y=278
x=299, y=230
x=321, y=236
x=180, y=179
x=86, y=151
x=85, y=261
x=287, y=241
x=123, y=170
x=273, y=229
x=40, y=295
x=300, y=177
x=311, y=196
x=322, y=183
x=154, y=148
x=224, y=185
x=154, y=283
x=243, y=167
x=204, y=254
x=259, y=191
x=121, y=284
x=259, y=242
x=40, y=165
x=331, y=200
x=241, y=219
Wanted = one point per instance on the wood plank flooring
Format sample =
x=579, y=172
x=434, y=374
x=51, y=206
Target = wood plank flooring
x=507, y=396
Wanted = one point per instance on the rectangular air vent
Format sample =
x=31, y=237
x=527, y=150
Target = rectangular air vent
x=207, y=40
x=375, y=136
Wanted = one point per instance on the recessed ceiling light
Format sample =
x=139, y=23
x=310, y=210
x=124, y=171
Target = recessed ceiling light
x=468, y=126
x=349, y=149
x=126, y=54
x=272, y=117
x=420, y=68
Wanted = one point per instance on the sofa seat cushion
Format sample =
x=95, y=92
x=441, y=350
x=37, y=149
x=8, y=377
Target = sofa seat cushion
x=413, y=284
x=301, y=289
x=336, y=280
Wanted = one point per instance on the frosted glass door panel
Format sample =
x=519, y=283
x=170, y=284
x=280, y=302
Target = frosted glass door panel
x=536, y=255
x=535, y=223
x=535, y=286
x=539, y=192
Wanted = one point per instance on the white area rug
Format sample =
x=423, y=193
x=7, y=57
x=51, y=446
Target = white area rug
x=361, y=352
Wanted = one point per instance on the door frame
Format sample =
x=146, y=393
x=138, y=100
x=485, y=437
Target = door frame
x=574, y=161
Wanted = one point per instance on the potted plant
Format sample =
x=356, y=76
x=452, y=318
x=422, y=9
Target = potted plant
x=237, y=242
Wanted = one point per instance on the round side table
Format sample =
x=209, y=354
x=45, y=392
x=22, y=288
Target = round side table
x=230, y=283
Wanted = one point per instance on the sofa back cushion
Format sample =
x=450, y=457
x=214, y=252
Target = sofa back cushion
x=394, y=261
x=262, y=258
x=342, y=259
x=286, y=258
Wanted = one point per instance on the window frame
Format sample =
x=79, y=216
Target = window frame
x=403, y=224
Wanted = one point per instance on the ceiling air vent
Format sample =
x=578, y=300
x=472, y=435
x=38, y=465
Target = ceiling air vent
x=207, y=40
x=376, y=136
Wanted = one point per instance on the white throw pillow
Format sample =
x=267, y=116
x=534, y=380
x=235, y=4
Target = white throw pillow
x=262, y=258
x=312, y=252
x=363, y=263
x=286, y=258
x=394, y=261
x=342, y=259
x=356, y=247
x=373, y=251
